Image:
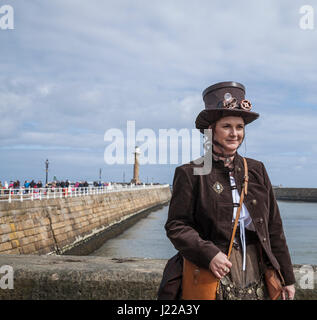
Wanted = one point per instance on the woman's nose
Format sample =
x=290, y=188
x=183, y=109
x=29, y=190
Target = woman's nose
x=233, y=132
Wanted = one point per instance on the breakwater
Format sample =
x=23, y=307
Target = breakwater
x=58, y=226
x=296, y=194
x=90, y=277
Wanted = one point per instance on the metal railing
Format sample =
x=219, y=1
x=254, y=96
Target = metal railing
x=25, y=194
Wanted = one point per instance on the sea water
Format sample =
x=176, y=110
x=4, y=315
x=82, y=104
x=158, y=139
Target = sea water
x=147, y=238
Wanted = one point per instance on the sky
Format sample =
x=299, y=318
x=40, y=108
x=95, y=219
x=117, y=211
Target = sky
x=70, y=71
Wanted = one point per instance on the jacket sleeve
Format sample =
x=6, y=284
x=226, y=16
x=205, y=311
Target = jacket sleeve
x=180, y=225
x=277, y=237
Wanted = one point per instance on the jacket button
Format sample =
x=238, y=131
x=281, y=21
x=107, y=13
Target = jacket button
x=264, y=239
x=239, y=169
x=261, y=220
x=254, y=202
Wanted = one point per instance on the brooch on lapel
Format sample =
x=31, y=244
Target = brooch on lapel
x=218, y=187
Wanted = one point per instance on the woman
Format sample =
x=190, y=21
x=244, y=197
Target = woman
x=203, y=207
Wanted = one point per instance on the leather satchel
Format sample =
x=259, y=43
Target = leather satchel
x=273, y=279
x=199, y=283
x=273, y=283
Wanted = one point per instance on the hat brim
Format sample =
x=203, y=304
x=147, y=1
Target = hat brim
x=209, y=116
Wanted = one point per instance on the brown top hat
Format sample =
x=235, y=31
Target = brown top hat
x=225, y=99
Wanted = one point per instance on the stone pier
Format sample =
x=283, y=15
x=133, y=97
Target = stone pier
x=56, y=226
x=296, y=194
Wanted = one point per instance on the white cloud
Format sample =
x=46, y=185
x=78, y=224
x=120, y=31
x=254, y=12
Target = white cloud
x=69, y=72
x=45, y=89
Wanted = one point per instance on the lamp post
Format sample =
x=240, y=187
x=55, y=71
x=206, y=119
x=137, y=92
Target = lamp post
x=46, y=168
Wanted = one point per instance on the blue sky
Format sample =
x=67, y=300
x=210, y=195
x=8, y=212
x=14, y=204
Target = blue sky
x=71, y=70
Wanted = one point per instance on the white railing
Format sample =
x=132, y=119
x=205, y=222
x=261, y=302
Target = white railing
x=24, y=194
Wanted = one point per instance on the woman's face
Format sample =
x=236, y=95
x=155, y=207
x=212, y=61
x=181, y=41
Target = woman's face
x=229, y=132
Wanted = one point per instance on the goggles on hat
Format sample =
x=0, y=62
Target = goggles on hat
x=230, y=102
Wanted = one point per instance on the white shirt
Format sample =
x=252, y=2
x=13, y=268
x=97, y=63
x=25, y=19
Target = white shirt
x=245, y=220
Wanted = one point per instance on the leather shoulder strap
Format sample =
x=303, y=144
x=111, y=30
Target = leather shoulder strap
x=243, y=192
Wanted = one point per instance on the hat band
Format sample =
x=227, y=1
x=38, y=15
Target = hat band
x=233, y=104
x=230, y=102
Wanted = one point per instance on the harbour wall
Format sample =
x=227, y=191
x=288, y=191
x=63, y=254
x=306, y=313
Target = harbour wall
x=59, y=226
x=60, y=277
x=296, y=194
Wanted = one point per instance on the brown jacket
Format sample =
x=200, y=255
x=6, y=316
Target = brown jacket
x=199, y=221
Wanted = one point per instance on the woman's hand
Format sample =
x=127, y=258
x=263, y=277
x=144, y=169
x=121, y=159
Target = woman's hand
x=220, y=265
x=288, y=292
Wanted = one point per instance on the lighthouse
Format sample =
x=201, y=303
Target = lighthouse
x=136, y=166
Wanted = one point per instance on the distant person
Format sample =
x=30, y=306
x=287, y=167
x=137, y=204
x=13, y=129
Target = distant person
x=16, y=185
x=26, y=186
x=81, y=186
x=6, y=187
x=203, y=209
x=32, y=184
